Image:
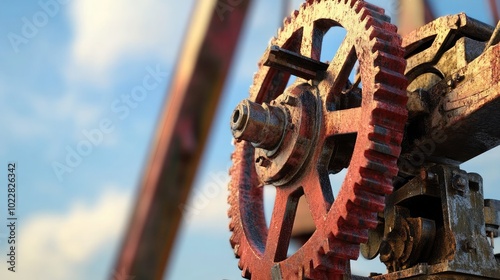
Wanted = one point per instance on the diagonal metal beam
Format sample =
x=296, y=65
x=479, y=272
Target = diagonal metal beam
x=180, y=138
x=494, y=11
x=412, y=14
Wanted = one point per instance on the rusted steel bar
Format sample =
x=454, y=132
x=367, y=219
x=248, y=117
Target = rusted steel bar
x=494, y=11
x=428, y=12
x=180, y=138
x=412, y=14
x=495, y=37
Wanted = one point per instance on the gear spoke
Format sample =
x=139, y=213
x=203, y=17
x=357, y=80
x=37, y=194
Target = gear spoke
x=311, y=42
x=342, y=121
x=319, y=196
x=278, y=238
x=337, y=74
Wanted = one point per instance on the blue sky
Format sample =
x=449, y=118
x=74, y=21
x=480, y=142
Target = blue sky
x=68, y=69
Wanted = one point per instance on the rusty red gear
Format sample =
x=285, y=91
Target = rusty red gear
x=310, y=112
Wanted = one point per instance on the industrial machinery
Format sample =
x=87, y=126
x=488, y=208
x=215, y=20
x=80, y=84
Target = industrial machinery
x=397, y=116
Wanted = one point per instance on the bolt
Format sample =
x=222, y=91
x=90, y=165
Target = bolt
x=263, y=162
x=428, y=176
x=470, y=246
x=458, y=77
x=289, y=100
x=455, y=80
x=459, y=183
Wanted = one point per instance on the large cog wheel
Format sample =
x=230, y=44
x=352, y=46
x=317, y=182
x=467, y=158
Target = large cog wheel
x=294, y=137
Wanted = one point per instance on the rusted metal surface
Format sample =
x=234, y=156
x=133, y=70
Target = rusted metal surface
x=444, y=111
x=455, y=239
x=437, y=224
x=181, y=134
x=323, y=111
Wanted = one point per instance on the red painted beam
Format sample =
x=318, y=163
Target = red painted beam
x=494, y=11
x=182, y=131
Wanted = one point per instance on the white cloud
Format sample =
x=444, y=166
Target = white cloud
x=106, y=31
x=57, y=246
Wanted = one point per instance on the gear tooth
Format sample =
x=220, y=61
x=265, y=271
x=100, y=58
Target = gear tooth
x=359, y=217
x=363, y=13
x=351, y=3
x=352, y=234
x=234, y=239
x=388, y=48
x=394, y=63
x=310, y=272
x=383, y=17
x=325, y=247
x=378, y=15
x=273, y=40
x=389, y=116
x=338, y=266
x=316, y=261
x=358, y=5
x=374, y=8
x=368, y=200
x=389, y=77
x=382, y=167
x=385, y=149
x=390, y=94
x=388, y=138
x=229, y=201
x=245, y=273
x=375, y=183
x=236, y=250
x=318, y=272
x=383, y=153
x=309, y=268
x=287, y=21
x=372, y=21
x=385, y=35
x=350, y=251
x=280, y=29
